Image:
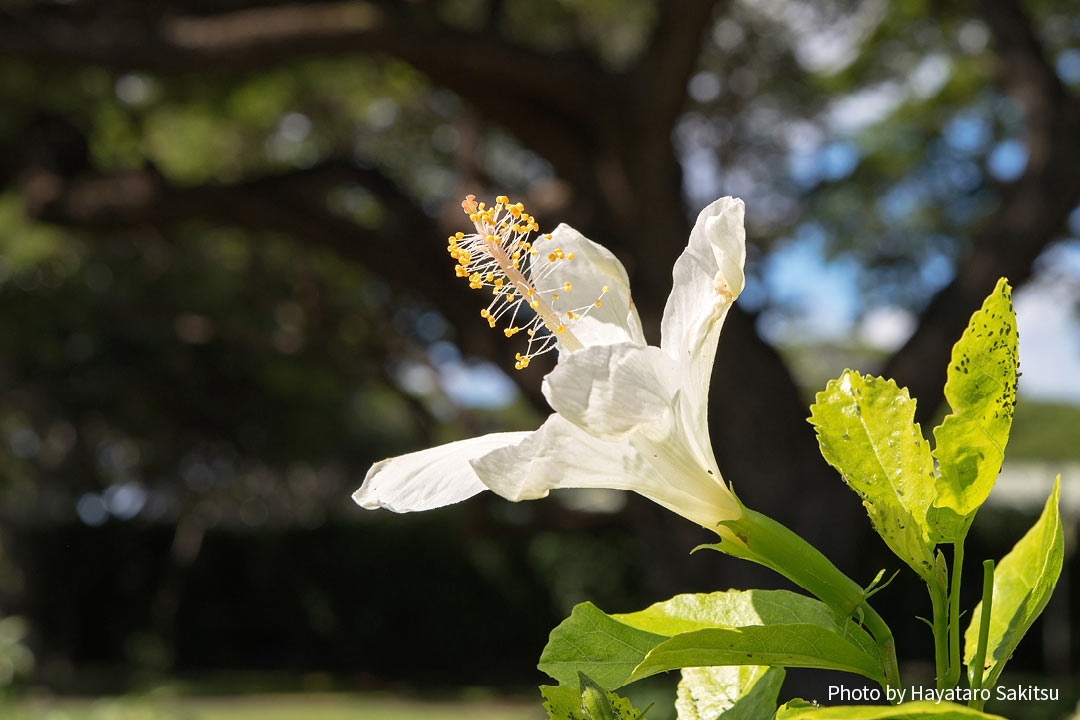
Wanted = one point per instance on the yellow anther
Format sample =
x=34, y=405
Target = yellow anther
x=597, y=303
x=605, y=289
x=570, y=256
x=501, y=248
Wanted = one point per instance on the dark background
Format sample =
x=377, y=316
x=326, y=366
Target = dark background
x=224, y=294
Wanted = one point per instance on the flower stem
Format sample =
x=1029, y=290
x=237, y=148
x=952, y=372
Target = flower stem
x=761, y=539
x=979, y=661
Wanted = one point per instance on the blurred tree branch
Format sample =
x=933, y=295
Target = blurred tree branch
x=1033, y=210
x=608, y=135
x=293, y=202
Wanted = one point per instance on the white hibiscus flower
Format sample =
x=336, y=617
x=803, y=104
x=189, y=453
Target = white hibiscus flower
x=628, y=415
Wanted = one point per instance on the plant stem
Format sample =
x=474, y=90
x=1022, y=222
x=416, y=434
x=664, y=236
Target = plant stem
x=979, y=661
x=954, y=611
x=761, y=539
x=884, y=638
x=939, y=602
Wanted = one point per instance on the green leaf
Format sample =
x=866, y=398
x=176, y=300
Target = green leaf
x=594, y=643
x=754, y=627
x=981, y=390
x=794, y=645
x=1023, y=583
x=595, y=704
x=565, y=702
x=865, y=427
x=923, y=710
x=733, y=692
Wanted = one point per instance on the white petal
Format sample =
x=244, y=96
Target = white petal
x=592, y=268
x=431, y=478
x=611, y=391
x=559, y=455
x=562, y=455
x=708, y=276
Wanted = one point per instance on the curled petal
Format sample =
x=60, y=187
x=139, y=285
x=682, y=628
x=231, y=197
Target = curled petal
x=611, y=391
x=431, y=478
x=708, y=276
x=592, y=268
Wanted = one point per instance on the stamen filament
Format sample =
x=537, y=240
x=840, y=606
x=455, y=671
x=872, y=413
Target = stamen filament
x=545, y=311
x=500, y=257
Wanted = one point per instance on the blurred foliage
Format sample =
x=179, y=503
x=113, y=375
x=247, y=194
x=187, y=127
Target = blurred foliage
x=15, y=658
x=187, y=409
x=263, y=707
x=1044, y=431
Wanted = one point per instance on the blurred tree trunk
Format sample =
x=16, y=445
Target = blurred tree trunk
x=609, y=137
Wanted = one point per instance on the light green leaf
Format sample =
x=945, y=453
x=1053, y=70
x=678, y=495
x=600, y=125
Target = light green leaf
x=981, y=390
x=754, y=627
x=732, y=692
x=923, y=710
x=565, y=702
x=866, y=430
x=1023, y=583
x=595, y=704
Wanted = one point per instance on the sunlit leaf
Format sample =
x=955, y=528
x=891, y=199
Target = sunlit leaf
x=866, y=430
x=754, y=627
x=1023, y=583
x=922, y=710
x=732, y=692
x=588, y=701
x=981, y=390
